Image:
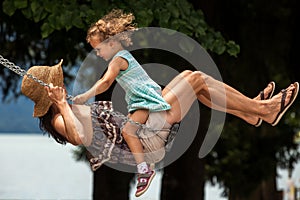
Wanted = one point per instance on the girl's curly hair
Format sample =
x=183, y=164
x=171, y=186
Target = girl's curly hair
x=115, y=24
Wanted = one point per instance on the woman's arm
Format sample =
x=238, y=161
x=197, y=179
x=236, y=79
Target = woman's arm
x=65, y=122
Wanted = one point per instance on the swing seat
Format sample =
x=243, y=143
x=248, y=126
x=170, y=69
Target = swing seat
x=156, y=142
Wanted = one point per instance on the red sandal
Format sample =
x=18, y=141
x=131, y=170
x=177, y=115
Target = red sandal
x=144, y=181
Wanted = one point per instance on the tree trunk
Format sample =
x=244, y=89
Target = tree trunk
x=266, y=190
x=111, y=184
x=184, y=179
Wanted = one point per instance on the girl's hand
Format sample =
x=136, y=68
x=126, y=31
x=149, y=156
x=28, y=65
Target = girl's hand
x=80, y=99
x=56, y=94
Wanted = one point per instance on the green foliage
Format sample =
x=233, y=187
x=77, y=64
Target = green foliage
x=239, y=154
x=177, y=15
x=80, y=154
x=54, y=15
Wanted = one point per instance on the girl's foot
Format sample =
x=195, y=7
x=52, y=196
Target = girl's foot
x=144, y=181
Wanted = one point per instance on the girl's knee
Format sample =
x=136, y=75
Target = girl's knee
x=129, y=130
x=126, y=134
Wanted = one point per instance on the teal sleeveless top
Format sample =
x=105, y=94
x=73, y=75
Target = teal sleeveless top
x=141, y=92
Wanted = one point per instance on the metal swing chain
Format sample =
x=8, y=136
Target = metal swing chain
x=21, y=72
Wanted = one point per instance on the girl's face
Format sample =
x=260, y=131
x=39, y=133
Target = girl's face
x=105, y=49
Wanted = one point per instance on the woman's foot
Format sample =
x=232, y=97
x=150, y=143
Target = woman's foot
x=280, y=103
x=265, y=94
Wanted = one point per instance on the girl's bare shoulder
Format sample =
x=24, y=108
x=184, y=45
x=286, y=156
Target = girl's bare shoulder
x=120, y=62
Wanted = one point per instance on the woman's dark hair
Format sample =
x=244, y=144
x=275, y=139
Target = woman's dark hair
x=46, y=127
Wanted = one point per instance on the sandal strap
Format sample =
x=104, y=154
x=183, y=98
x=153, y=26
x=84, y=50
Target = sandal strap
x=262, y=95
x=147, y=175
x=141, y=184
x=283, y=91
x=143, y=176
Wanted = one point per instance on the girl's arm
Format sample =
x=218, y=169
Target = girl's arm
x=105, y=82
x=65, y=122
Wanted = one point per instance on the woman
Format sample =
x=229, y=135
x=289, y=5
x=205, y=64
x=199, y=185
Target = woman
x=78, y=124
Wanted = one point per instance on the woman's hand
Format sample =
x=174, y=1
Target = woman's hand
x=56, y=94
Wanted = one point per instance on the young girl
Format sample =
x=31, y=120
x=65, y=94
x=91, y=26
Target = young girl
x=108, y=36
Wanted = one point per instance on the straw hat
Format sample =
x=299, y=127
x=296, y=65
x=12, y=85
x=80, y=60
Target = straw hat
x=37, y=92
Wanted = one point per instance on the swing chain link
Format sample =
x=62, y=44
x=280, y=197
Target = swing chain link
x=21, y=72
x=18, y=70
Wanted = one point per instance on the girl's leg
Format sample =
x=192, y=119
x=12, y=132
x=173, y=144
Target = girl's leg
x=129, y=134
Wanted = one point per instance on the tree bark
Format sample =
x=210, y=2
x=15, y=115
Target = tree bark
x=111, y=184
x=266, y=190
x=184, y=179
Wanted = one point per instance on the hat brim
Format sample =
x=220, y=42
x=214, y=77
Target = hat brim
x=36, y=92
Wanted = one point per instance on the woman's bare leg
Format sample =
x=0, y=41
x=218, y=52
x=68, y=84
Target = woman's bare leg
x=245, y=116
x=212, y=92
x=237, y=103
x=180, y=95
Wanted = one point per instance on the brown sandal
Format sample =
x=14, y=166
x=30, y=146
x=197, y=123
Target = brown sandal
x=144, y=181
x=284, y=108
x=262, y=97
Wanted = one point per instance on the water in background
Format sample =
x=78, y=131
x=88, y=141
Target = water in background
x=36, y=167
x=16, y=117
